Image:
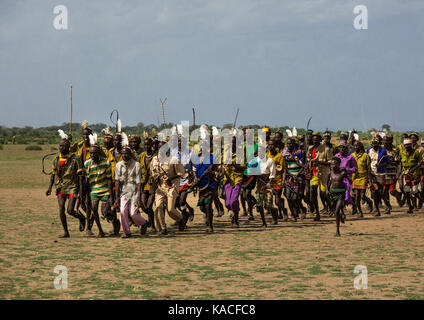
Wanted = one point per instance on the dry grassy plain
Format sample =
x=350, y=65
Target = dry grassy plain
x=300, y=260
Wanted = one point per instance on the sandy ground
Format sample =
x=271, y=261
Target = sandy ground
x=301, y=260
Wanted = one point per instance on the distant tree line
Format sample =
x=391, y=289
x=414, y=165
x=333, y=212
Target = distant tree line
x=49, y=135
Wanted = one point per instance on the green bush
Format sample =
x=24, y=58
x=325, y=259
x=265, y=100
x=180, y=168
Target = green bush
x=53, y=148
x=33, y=148
x=1, y=147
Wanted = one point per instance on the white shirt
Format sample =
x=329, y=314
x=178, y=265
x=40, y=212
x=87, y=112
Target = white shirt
x=128, y=176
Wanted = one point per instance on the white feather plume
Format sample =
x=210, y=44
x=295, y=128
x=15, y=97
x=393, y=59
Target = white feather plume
x=174, y=130
x=289, y=133
x=119, y=125
x=356, y=136
x=203, y=132
x=180, y=129
x=294, y=131
x=93, y=139
x=215, y=131
x=124, y=142
x=106, y=131
x=62, y=134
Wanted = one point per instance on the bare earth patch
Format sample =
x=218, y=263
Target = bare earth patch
x=300, y=260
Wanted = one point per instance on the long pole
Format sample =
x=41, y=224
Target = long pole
x=163, y=110
x=235, y=120
x=394, y=129
x=70, y=124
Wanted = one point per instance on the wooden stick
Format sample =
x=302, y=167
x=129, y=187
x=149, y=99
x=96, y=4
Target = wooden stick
x=70, y=124
x=394, y=130
x=163, y=110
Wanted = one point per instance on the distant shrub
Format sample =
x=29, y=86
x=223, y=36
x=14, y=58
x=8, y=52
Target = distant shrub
x=1, y=147
x=40, y=142
x=33, y=148
x=53, y=148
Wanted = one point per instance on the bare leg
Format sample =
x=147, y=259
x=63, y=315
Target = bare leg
x=95, y=210
x=61, y=201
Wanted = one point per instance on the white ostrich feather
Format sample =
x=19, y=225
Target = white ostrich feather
x=215, y=131
x=289, y=133
x=203, y=132
x=124, y=139
x=119, y=125
x=294, y=131
x=93, y=139
x=62, y=134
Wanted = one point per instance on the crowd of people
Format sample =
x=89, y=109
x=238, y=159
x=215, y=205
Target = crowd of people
x=291, y=177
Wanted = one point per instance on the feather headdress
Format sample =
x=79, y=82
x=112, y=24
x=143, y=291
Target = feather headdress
x=203, y=132
x=119, y=125
x=291, y=133
x=106, y=131
x=174, y=130
x=84, y=124
x=93, y=139
x=215, y=131
x=62, y=134
x=124, y=141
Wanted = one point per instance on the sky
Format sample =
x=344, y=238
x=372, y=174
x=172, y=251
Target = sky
x=279, y=62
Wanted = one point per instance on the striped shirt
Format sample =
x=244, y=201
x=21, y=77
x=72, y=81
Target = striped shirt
x=98, y=176
x=293, y=160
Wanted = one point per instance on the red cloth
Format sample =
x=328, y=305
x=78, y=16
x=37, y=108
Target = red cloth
x=314, y=155
x=184, y=187
x=60, y=194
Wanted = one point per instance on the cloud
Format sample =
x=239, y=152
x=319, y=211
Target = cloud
x=276, y=60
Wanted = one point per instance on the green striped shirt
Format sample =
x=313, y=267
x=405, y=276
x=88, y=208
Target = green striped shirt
x=98, y=176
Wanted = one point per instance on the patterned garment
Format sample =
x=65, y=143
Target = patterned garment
x=294, y=160
x=145, y=162
x=294, y=183
x=233, y=173
x=98, y=176
x=360, y=178
x=280, y=164
x=337, y=193
x=410, y=160
x=67, y=170
x=113, y=156
x=128, y=175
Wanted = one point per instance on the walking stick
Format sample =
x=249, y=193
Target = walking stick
x=70, y=124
